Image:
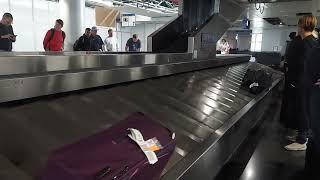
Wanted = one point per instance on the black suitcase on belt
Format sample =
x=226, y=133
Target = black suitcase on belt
x=255, y=81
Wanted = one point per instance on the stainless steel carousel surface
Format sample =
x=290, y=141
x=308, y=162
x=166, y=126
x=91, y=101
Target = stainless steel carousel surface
x=206, y=109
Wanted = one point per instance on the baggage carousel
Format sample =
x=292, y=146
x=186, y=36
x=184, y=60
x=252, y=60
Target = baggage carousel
x=60, y=98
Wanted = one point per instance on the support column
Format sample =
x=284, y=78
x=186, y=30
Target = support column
x=72, y=13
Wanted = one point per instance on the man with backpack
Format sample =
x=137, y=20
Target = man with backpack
x=54, y=39
x=83, y=43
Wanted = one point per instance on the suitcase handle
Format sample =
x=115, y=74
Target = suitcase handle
x=101, y=174
x=121, y=173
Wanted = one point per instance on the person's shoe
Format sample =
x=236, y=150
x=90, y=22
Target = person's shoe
x=296, y=147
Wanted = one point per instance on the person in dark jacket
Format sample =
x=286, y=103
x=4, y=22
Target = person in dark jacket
x=7, y=36
x=96, y=43
x=306, y=26
x=292, y=36
x=83, y=43
x=133, y=44
x=312, y=84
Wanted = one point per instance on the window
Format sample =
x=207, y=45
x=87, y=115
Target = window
x=256, y=42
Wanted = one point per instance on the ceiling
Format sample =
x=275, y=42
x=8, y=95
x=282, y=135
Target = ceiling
x=150, y=8
x=283, y=9
x=269, y=1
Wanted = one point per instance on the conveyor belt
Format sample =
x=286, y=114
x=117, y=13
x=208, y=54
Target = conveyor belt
x=194, y=105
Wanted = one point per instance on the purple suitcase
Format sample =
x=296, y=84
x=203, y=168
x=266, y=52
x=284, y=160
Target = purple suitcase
x=111, y=154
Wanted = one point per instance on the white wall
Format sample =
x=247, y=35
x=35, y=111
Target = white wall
x=273, y=39
x=122, y=35
x=143, y=30
x=230, y=37
x=33, y=18
x=244, y=42
x=244, y=39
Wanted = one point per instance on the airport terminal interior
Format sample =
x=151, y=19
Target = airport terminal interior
x=208, y=81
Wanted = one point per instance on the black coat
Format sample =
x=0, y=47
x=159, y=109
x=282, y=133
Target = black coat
x=312, y=74
x=83, y=43
x=293, y=113
x=294, y=60
x=295, y=68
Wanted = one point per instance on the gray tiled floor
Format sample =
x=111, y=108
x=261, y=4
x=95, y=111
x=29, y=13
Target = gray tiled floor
x=271, y=161
x=262, y=156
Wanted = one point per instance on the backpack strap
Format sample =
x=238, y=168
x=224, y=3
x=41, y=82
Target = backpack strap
x=63, y=35
x=51, y=35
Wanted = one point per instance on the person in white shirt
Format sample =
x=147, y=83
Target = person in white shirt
x=110, y=42
x=223, y=46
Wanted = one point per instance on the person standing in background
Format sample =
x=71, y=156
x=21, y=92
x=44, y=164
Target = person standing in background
x=292, y=36
x=83, y=43
x=96, y=43
x=6, y=32
x=306, y=26
x=133, y=44
x=224, y=47
x=54, y=39
x=111, y=42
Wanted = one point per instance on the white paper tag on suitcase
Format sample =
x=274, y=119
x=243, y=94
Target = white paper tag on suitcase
x=151, y=156
x=136, y=135
x=146, y=146
x=152, y=145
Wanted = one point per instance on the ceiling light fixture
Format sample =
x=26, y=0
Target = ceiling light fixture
x=259, y=5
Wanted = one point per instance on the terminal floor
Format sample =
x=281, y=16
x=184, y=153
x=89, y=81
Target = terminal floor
x=262, y=156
